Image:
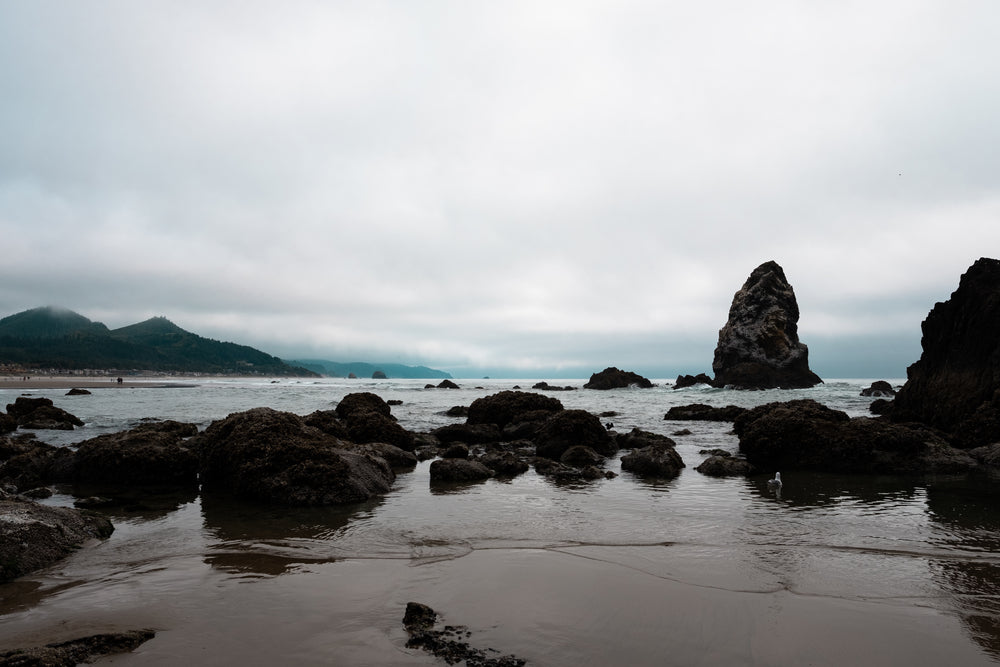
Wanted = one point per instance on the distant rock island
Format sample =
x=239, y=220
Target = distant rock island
x=362, y=369
x=759, y=345
x=58, y=338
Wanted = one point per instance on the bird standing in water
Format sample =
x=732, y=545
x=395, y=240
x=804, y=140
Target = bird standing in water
x=775, y=484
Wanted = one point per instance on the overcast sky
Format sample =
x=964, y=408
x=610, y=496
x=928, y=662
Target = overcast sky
x=543, y=187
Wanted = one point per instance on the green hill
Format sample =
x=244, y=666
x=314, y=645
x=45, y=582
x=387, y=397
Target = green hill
x=59, y=338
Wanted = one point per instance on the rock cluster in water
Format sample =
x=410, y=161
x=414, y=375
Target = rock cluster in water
x=759, y=345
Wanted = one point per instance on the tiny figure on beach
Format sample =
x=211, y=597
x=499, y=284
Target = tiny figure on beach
x=119, y=380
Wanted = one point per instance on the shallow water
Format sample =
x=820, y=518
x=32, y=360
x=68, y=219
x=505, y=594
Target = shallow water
x=840, y=569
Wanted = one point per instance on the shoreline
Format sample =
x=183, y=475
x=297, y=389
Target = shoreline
x=84, y=382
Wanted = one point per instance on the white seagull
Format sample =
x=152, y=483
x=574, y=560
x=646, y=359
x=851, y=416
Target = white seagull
x=775, y=484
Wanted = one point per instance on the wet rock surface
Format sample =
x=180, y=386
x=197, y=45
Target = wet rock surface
x=449, y=643
x=507, y=407
x=41, y=414
x=703, y=412
x=804, y=434
x=276, y=457
x=33, y=536
x=76, y=651
x=613, y=378
x=153, y=453
x=955, y=385
x=759, y=345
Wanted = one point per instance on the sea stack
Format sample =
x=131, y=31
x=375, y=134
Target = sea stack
x=759, y=346
x=955, y=385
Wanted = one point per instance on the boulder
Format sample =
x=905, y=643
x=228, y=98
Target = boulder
x=508, y=407
x=34, y=536
x=759, y=345
x=40, y=413
x=151, y=454
x=581, y=456
x=458, y=470
x=8, y=424
x=545, y=386
x=657, y=460
x=447, y=384
x=76, y=391
x=804, y=435
x=398, y=459
x=573, y=427
x=362, y=401
x=504, y=463
x=26, y=463
x=613, y=378
x=456, y=450
x=684, y=381
x=702, y=412
x=368, y=426
x=275, y=457
x=725, y=465
x=879, y=389
x=955, y=385
x=561, y=472
x=379, y=375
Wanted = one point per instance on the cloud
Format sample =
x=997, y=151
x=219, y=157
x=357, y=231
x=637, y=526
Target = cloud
x=472, y=184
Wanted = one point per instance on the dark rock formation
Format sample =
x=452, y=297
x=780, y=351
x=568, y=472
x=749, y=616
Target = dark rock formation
x=76, y=651
x=154, y=453
x=26, y=463
x=275, y=457
x=379, y=375
x=581, y=456
x=759, y=346
x=7, y=423
x=684, y=381
x=41, y=414
x=724, y=464
x=879, y=389
x=367, y=426
x=955, y=385
x=458, y=470
x=34, y=536
x=76, y=391
x=504, y=463
x=702, y=412
x=657, y=460
x=447, y=643
x=328, y=422
x=508, y=407
x=573, y=427
x=612, y=378
x=561, y=472
x=545, y=386
x=804, y=434
x=456, y=450
x=362, y=401
x=447, y=384
x=457, y=411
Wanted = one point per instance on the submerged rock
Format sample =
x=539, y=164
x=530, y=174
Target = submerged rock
x=684, y=381
x=612, y=378
x=449, y=643
x=34, y=536
x=275, y=457
x=759, y=345
x=458, y=470
x=955, y=385
x=723, y=464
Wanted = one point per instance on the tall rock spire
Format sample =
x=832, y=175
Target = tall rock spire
x=759, y=346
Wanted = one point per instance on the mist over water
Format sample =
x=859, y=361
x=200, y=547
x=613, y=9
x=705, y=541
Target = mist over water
x=695, y=570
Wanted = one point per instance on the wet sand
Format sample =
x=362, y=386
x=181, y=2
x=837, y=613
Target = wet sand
x=86, y=382
x=594, y=605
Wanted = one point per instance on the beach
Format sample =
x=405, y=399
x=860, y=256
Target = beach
x=88, y=382
x=838, y=569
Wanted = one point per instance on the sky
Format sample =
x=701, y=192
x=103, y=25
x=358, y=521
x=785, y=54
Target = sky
x=519, y=188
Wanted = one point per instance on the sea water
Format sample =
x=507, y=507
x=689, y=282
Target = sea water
x=838, y=569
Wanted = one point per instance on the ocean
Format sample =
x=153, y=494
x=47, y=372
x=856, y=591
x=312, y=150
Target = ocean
x=838, y=569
